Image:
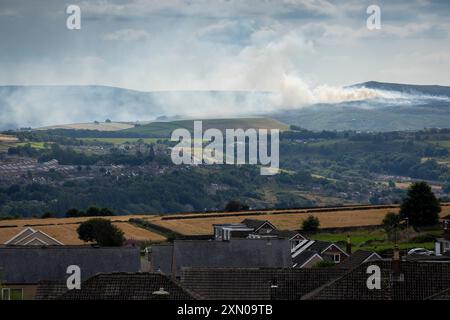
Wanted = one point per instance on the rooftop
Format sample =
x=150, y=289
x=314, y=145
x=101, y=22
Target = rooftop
x=255, y=284
x=128, y=286
x=32, y=264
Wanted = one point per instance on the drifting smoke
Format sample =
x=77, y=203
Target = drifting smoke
x=295, y=93
x=50, y=105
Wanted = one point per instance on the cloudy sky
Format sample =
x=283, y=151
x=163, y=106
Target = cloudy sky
x=224, y=45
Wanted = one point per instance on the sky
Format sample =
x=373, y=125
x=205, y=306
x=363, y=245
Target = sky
x=250, y=45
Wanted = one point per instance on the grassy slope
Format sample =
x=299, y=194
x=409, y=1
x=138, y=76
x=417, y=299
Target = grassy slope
x=164, y=129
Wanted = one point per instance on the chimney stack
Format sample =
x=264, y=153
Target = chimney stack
x=396, y=264
x=349, y=245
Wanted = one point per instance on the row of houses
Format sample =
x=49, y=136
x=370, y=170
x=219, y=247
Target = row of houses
x=115, y=274
x=249, y=260
x=251, y=243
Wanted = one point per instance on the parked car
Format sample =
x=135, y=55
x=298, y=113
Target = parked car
x=420, y=251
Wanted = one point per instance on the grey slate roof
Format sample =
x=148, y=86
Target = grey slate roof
x=128, y=286
x=236, y=253
x=357, y=258
x=255, y=284
x=303, y=257
x=30, y=265
x=421, y=280
x=287, y=234
x=443, y=295
x=254, y=223
x=50, y=290
x=319, y=246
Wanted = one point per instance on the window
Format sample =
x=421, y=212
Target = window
x=12, y=294
x=16, y=294
x=6, y=294
x=337, y=258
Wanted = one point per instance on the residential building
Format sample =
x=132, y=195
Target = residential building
x=235, y=253
x=128, y=286
x=31, y=237
x=326, y=250
x=358, y=258
x=399, y=280
x=22, y=268
x=255, y=283
x=442, y=245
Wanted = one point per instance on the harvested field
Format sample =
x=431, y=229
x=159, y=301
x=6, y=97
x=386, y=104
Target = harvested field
x=286, y=221
x=64, y=229
x=7, y=139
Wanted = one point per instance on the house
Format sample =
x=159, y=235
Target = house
x=22, y=268
x=32, y=237
x=442, y=246
x=306, y=259
x=235, y=253
x=358, y=258
x=255, y=229
x=225, y=232
x=128, y=286
x=294, y=237
x=326, y=250
x=399, y=280
x=305, y=253
x=260, y=227
x=255, y=283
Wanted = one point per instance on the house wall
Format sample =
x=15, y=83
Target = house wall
x=29, y=290
x=312, y=262
x=266, y=229
x=330, y=252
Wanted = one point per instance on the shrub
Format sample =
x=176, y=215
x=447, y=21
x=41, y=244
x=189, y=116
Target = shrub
x=311, y=224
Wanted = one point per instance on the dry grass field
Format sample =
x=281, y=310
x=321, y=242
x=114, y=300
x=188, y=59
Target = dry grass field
x=64, y=229
x=7, y=139
x=290, y=220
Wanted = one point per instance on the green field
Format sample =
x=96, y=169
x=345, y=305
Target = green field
x=443, y=143
x=35, y=145
x=372, y=240
x=124, y=140
x=165, y=129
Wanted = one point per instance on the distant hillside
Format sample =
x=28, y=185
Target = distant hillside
x=100, y=126
x=432, y=90
x=165, y=129
x=39, y=106
x=399, y=107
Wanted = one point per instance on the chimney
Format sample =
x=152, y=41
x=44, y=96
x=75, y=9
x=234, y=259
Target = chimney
x=396, y=265
x=348, y=248
x=174, y=265
x=437, y=248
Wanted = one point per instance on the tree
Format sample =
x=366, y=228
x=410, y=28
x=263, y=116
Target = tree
x=235, y=205
x=47, y=215
x=73, y=213
x=311, y=224
x=93, y=212
x=391, y=224
x=101, y=231
x=420, y=206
